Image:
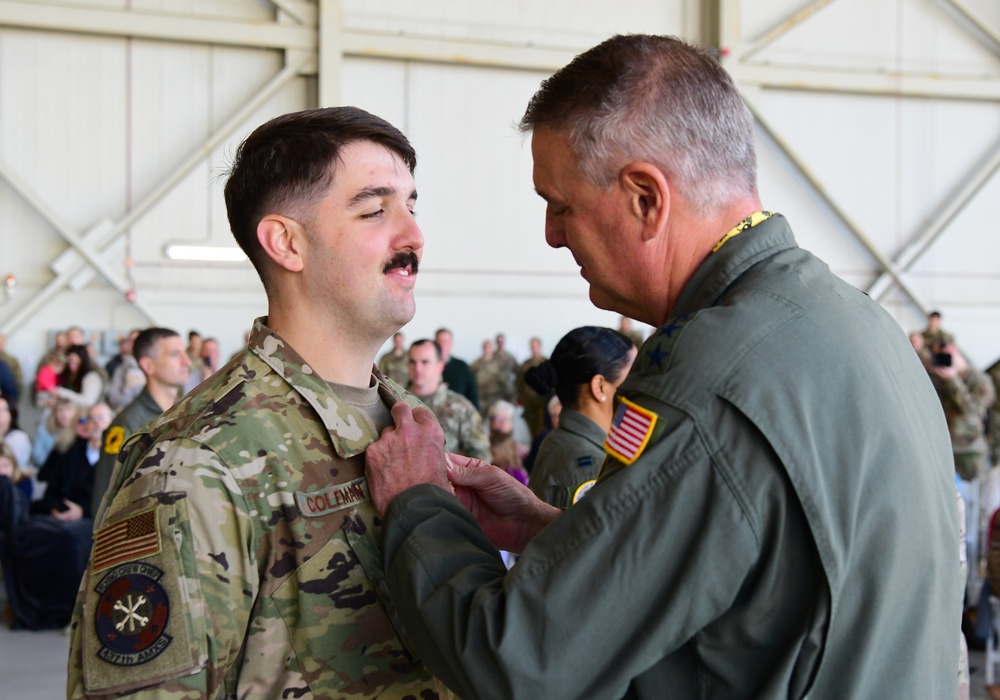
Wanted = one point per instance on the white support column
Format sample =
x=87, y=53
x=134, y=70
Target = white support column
x=330, y=38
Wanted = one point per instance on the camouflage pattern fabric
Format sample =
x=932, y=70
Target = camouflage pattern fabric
x=509, y=363
x=461, y=423
x=238, y=555
x=494, y=381
x=394, y=367
x=993, y=421
x=965, y=400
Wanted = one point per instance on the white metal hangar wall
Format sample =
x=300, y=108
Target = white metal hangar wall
x=878, y=126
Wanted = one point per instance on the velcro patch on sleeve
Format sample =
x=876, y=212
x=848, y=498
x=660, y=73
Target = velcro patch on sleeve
x=125, y=540
x=142, y=618
x=631, y=431
x=114, y=439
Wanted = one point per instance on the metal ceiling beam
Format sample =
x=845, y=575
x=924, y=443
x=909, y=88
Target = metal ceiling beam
x=951, y=206
x=303, y=35
x=140, y=24
x=93, y=256
x=887, y=265
x=867, y=82
x=990, y=32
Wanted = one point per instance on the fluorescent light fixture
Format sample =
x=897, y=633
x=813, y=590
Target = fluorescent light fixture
x=210, y=253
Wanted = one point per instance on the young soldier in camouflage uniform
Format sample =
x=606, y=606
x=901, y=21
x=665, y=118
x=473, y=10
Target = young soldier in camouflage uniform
x=462, y=425
x=238, y=554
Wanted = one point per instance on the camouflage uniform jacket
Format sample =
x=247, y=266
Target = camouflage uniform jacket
x=993, y=421
x=460, y=421
x=238, y=554
x=394, y=367
x=494, y=382
x=965, y=400
x=509, y=363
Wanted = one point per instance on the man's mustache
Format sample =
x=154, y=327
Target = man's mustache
x=403, y=259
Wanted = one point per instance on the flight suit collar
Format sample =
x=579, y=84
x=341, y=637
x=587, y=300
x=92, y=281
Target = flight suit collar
x=726, y=265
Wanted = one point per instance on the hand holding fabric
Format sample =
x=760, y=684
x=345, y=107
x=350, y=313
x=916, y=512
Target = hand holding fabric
x=409, y=452
x=507, y=511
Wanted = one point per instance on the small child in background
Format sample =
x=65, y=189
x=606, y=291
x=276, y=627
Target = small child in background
x=47, y=378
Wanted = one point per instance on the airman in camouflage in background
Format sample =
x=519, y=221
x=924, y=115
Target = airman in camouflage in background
x=462, y=425
x=493, y=378
x=238, y=551
x=393, y=363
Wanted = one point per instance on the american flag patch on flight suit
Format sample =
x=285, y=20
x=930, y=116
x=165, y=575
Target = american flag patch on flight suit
x=631, y=429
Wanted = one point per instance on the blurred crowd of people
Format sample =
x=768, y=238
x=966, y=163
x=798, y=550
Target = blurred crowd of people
x=53, y=473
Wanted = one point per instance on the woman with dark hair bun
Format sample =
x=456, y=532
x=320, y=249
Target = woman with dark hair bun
x=584, y=371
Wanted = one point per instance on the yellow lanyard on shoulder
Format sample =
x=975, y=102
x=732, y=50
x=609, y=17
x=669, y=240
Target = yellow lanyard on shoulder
x=745, y=225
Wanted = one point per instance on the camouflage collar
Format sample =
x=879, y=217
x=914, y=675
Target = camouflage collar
x=349, y=431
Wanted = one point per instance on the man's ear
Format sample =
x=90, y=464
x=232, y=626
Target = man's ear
x=282, y=238
x=648, y=193
x=146, y=365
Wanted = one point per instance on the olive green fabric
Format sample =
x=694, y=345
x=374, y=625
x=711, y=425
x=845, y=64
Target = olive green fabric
x=568, y=456
x=790, y=531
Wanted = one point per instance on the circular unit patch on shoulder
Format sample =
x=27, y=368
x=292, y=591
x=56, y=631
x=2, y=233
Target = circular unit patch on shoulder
x=131, y=615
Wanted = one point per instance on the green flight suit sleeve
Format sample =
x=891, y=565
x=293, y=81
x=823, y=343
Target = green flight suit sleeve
x=654, y=553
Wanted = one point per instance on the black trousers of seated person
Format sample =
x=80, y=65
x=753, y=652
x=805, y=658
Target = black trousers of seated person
x=43, y=561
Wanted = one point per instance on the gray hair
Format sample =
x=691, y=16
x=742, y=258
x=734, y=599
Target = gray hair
x=657, y=99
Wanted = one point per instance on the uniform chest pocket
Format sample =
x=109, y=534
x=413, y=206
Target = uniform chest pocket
x=338, y=625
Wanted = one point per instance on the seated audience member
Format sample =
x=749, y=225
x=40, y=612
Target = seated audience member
x=56, y=430
x=47, y=378
x=80, y=382
x=14, y=366
x=124, y=350
x=459, y=419
x=8, y=385
x=505, y=453
x=69, y=475
x=500, y=417
x=42, y=558
x=10, y=432
x=585, y=369
x=127, y=380
x=10, y=467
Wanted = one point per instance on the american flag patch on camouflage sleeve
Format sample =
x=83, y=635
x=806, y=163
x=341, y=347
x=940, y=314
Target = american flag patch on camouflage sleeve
x=126, y=540
x=631, y=429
